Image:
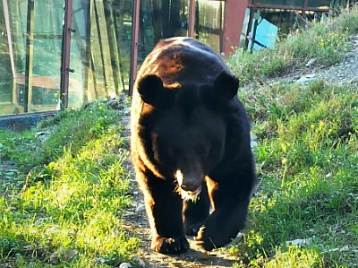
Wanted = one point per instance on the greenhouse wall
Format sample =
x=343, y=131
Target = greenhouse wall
x=97, y=47
x=63, y=54
x=31, y=46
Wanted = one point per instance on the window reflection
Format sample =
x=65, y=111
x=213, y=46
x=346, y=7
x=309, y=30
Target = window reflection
x=160, y=19
x=31, y=47
x=210, y=22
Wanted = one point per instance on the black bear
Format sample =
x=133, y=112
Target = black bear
x=190, y=146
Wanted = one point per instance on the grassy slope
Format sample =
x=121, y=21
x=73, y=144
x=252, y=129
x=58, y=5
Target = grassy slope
x=326, y=42
x=307, y=158
x=64, y=204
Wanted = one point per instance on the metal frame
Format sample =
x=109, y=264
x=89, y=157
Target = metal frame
x=11, y=50
x=304, y=8
x=256, y=6
x=29, y=55
x=65, y=58
x=135, y=38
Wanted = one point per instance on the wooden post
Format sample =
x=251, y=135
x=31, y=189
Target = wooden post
x=234, y=20
x=29, y=55
x=135, y=35
x=65, y=58
x=191, y=27
x=304, y=8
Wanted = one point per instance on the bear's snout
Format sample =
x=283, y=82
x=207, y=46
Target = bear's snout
x=189, y=184
x=189, y=181
x=189, y=187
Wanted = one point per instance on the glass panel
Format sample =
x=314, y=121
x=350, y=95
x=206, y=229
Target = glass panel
x=286, y=21
x=99, y=55
x=100, y=50
x=209, y=23
x=39, y=59
x=320, y=3
x=161, y=19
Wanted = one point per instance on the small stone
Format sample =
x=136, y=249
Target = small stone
x=307, y=78
x=311, y=62
x=70, y=254
x=139, y=261
x=354, y=80
x=54, y=258
x=140, y=208
x=125, y=265
x=54, y=229
x=299, y=242
x=328, y=175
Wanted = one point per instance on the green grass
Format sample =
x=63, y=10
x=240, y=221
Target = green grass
x=326, y=42
x=307, y=144
x=307, y=163
x=62, y=204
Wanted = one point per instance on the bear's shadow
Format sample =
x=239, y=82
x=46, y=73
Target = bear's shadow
x=196, y=255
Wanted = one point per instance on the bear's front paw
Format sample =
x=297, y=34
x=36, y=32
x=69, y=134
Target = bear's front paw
x=209, y=240
x=193, y=229
x=171, y=245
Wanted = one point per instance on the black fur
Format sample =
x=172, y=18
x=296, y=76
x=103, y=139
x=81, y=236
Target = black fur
x=190, y=132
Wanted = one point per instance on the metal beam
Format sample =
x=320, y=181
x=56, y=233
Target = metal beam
x=65, y=58
x=29, y=55
x=287, y=7
x=135, y=43
x=191, y=27
x=11, y=51
x=233, y=23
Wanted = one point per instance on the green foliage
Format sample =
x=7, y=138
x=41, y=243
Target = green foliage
x=66, y=210
x=307, y=164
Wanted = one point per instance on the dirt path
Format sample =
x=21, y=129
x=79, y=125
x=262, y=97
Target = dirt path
x=136, y=222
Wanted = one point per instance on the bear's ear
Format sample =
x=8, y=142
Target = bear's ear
x=149, y=88
x=225, y=86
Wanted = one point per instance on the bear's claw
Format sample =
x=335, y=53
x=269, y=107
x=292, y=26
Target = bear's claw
x=170, y=245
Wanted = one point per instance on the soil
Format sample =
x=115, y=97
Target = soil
x=137, y=223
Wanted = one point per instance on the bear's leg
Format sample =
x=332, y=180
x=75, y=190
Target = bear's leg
x=196, y=212
x=164, y=210
x=231, y=200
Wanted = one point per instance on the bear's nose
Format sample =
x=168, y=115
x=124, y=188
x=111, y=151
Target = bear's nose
x=189, y=187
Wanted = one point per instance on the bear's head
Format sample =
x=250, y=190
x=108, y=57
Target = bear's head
x=189, y=131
